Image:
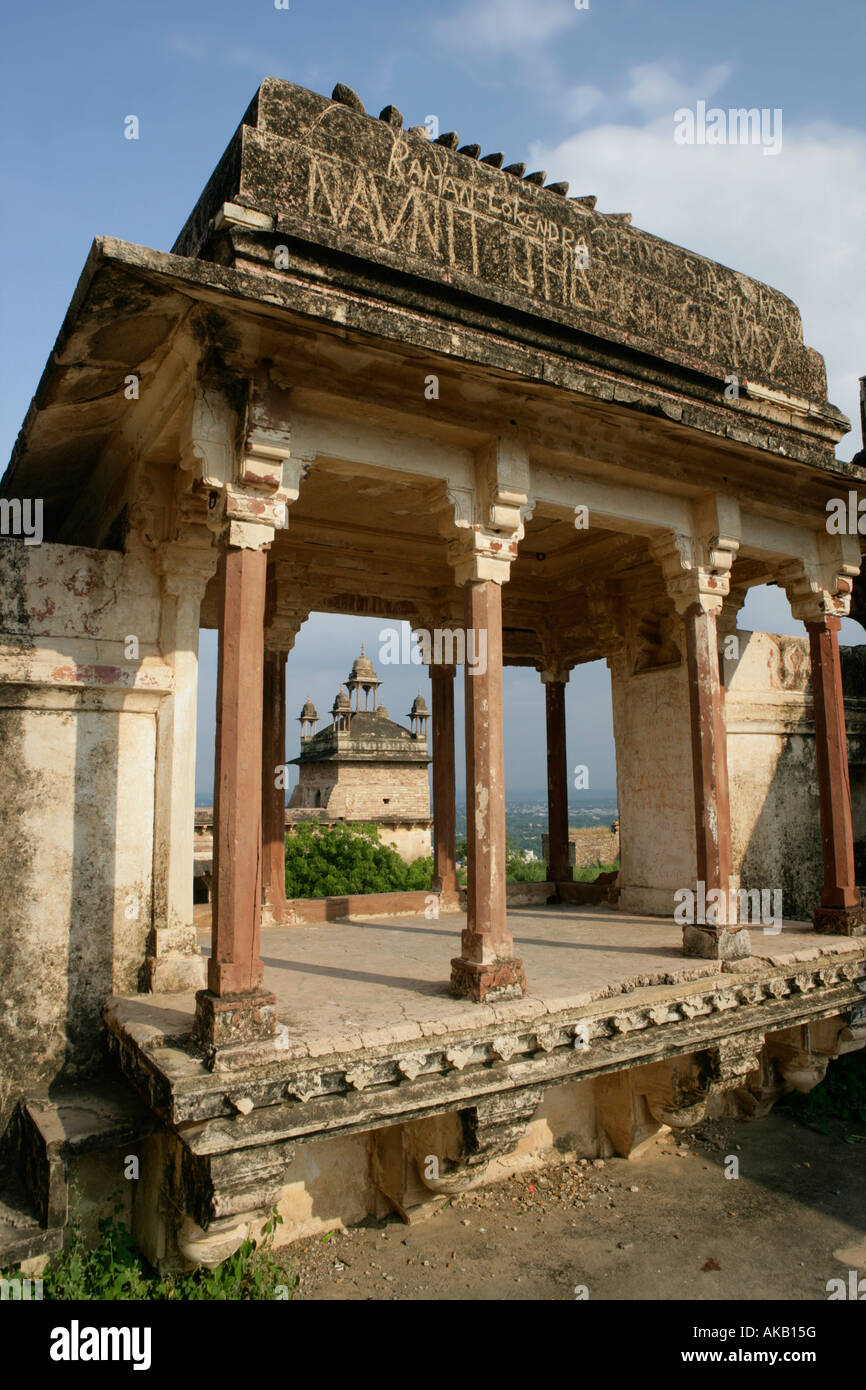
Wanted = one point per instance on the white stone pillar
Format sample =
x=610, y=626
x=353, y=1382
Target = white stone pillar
x=173, y=960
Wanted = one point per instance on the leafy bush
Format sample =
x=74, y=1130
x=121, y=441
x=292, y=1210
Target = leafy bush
x=324, y=861
x=115, y=1270
x=839, y=1102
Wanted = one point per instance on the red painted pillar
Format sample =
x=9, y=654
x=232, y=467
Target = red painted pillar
x=840, y=909
x=274, y=796
x=234, y=1007
x=558, y=866
x=486, y=968
x=444, y=810
x=718, y=941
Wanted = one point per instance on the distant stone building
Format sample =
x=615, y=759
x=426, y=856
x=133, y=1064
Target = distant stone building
x=365, y=767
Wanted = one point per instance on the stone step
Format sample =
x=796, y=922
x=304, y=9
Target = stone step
x=22, y=1234
x=70, y=1123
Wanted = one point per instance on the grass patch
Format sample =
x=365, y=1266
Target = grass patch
x=114, y=1270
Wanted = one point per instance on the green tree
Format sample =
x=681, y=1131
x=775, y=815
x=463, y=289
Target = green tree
x=329, y=861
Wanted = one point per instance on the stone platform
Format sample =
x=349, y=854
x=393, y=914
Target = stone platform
x=370, y=1042
x=352, y=985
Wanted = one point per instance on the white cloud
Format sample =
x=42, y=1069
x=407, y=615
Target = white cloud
x=506, y=25
x=582, y=99
x=654, y=90
x=794, y=221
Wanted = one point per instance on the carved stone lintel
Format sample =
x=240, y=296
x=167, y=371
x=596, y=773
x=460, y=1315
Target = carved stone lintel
x=495, y=1124
x=238, y=1182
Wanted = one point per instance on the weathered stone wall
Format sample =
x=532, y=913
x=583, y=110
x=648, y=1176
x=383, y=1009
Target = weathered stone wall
x=654, y=785
x=775, y=822
x=588, y=845
x=78, y=740
x=410, y=841
x=366, y=791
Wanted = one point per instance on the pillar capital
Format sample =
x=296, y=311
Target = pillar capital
x=820, y=586
x=480, y=554
x=696, y=571
x=555, y=673
x=185, y=570
x=485, y=522
x=287, y=607
x=242, y=460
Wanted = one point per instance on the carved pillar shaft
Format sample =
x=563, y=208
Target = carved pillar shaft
x=444, y=811
x=840, y=897
x=273, y=785
x=558, y=866
x=486, y=966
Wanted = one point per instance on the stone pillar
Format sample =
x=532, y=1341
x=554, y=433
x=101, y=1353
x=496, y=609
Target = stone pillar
x=697, y=573
x=237, y=446
x=444, y=814
x=558, y=865
x=840, y=909
x=235, y=1007
x=710, y=778
x=173, y=961
x=486, y=966
x=273, y=785
x=483, y=526
x=819, y=591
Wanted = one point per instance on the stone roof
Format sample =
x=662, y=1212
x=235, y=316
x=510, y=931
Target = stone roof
x=370, y=738
x=437, y=249
x=309, y=710
x=419, y=708
x=329, y=174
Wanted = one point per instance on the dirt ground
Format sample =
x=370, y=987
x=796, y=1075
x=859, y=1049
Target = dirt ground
x=668, y=1225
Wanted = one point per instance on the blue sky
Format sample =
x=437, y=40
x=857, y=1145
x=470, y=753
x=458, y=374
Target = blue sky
x=586, y=94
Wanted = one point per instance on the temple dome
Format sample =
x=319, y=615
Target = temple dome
x=341, y=702
x=363, y=669
x=309, y=710
x=419, y=708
